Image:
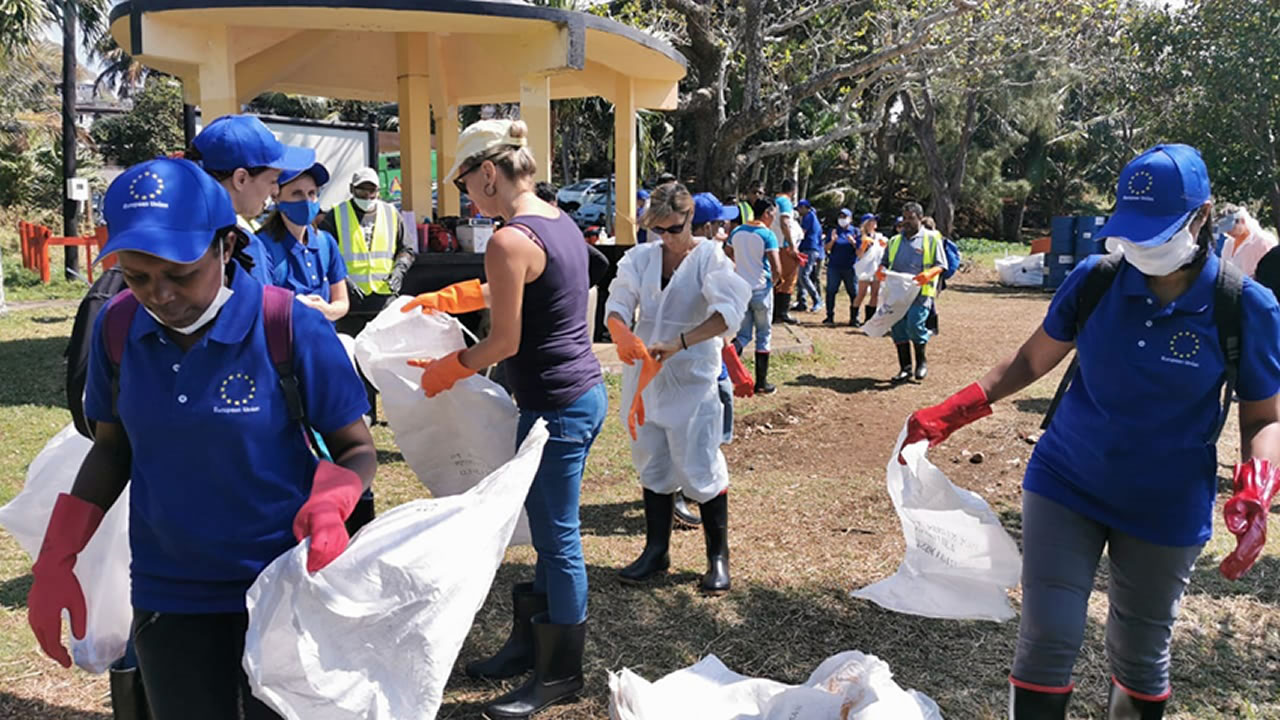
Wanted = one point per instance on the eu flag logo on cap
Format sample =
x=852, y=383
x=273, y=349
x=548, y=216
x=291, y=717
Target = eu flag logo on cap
x=145, y=188
x=1140, y=186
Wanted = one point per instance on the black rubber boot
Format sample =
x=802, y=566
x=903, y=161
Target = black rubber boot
x=1027, y=704
x=128, y=699
x=868, y=312
x=830, y=319
x=1123, y=706
x=655, y=558
x=557, y=672
x=779, y=307
x=786, y=309
x=683, y=514
x=362, y=515
x=715, y=528
x=904, y=363
x=516, y=655
x=853, y=318
x=922, y=364
x=762, y=375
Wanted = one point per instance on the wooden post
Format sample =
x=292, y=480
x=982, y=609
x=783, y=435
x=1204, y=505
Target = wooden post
x=218, y=78
x=535, y=110
x=415, y=122
x=444, y=108
x=624, y=160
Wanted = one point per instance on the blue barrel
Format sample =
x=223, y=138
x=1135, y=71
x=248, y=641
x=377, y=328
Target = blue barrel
x=1057, y=267
x=1062, y=235
x=1087, y=241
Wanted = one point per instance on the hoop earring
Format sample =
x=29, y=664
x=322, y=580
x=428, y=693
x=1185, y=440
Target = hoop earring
x=490, y=190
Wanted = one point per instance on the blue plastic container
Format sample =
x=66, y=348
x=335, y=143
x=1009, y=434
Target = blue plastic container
x=1062, y=235
x=1057, y=267
x=1087, y=241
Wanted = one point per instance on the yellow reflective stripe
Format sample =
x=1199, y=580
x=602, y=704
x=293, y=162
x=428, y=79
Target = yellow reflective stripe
x=932, y=239
x=367, y=267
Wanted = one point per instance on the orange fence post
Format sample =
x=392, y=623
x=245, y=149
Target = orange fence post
x=42, y=236
x=101, y=236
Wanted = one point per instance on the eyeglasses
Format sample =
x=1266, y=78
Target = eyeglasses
x=460, y=181
x=674, y=229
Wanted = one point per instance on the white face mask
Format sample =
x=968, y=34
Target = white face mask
x=721, y=234
x=1159, y=260
x=365, y=204
x=844, y=222
x=224, y=294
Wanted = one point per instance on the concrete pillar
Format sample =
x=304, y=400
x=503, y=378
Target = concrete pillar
x=415, y=121
x=444, y=108
x=624, y=160
x=217, y=77
x=535, y=110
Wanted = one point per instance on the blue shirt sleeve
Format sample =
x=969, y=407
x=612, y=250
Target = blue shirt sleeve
x=784, y=206
x=1060, y=321
x=97, y=389
x=770, y=240
x=1259, y=377
x=334, y=395
x=337, y=269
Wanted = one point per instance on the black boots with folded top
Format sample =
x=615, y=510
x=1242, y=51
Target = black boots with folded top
x=655, y=559
x=557, y=671
x=1026, y=704
x=516, y=656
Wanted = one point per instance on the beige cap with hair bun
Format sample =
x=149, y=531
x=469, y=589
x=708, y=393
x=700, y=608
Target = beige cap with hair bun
x=483, y=137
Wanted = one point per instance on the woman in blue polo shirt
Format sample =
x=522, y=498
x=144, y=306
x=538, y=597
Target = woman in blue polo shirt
x=1130, y=460
x=300, y=257
x=223, y=481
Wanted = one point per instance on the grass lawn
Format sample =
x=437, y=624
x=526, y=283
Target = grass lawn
x=810, y=520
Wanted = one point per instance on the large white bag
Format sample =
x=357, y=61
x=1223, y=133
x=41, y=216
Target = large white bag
x=1019, y=271
x=865, y=266
x=959, y=563
x=102, y=568
x=897, y=292
x=847, y=686
x=455, y=439
x=374, y=635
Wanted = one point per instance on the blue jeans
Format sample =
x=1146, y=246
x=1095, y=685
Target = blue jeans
x=809, y=282
x=552, y=503
x=911, y=328
x=759, y=317
x=836, y=276
x=725, y=387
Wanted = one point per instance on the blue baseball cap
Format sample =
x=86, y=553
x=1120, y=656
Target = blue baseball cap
x=804, y=203
x=868, y=216
x=242, y=141
x=708, y=208
x=169, y=208
x=1157, y=194
x=318, y=172
x=642, y=194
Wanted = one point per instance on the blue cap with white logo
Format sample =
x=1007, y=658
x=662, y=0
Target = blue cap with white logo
x=708, y=208
x=318, y=172
x=242, y=141
x=867, y=216
x=166, y=207
x=1157, y=194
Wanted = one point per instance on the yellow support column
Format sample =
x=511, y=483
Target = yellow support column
x=217, y=78
x=535, y=110
x=445, y=110
x=415, y=122
x=624, y=160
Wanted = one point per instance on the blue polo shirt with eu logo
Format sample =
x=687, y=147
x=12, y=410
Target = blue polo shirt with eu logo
x=1130, y=446
x=306, y=269
x=218, y=469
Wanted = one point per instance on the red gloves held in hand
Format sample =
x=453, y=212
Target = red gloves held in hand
x=743, y=385
x=335, y=491
x=55, y=587
x=936, y=423
x=1256, y=483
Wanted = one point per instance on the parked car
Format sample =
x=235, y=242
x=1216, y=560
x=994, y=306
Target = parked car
x=595, y=209
x=572, y=196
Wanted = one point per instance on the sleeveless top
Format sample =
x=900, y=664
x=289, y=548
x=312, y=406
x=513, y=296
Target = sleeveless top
x=554, y=365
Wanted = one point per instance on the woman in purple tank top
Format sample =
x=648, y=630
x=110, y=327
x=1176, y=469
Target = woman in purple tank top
x=538, y=261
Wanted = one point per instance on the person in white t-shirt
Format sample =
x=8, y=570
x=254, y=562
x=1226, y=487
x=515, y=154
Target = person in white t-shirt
x=1246, y=241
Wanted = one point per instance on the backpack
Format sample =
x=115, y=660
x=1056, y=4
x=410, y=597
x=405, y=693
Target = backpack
x=1227, y=293
x=107, y=286
x=277, y=321
x=953, y=258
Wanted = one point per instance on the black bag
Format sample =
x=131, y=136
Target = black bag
x=100, y=293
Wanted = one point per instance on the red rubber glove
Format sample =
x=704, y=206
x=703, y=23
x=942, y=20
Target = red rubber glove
x=743, y=385
x=1256, y=483
x=334, y=493
x=441, y=374
x=462, y=297
x=804, y=259
x=55, y=587
x=936, y=423
x=630, y=347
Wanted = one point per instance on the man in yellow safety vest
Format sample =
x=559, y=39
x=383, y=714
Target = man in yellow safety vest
x=917, y=251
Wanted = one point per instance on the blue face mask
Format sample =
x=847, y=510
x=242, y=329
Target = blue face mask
x=301, y=212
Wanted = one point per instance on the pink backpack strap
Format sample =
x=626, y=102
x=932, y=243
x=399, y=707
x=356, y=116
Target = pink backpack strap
x=119, y=319
x=277, y=323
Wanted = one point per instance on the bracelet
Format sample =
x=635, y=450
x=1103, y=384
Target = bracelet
x=682, y=343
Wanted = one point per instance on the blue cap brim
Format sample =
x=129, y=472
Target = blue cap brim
x=1144, y=230
x=317, y=171
x=728, y=212
x=295, y=158
x=179, y=246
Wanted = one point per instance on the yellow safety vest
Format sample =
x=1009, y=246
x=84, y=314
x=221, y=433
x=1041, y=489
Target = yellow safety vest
x=932, y=239
x=368, y=265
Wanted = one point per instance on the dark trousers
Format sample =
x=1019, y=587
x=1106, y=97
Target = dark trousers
x=191, y=668
x=837, y=276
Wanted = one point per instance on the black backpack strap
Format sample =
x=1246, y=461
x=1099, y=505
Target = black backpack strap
x=1096, y=284
x=1228, y=292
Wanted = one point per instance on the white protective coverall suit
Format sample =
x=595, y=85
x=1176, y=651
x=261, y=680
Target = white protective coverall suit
x=678, y=447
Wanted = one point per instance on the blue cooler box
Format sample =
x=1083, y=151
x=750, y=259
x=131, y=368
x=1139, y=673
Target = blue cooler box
x=1062, y=235
x=1057, y=267
x=1086, y=240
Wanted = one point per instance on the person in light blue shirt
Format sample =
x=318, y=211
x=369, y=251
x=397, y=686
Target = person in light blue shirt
x=1129, y=463
x=811, y=246
x=754, y=249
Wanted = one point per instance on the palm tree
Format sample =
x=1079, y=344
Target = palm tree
x=22, y=22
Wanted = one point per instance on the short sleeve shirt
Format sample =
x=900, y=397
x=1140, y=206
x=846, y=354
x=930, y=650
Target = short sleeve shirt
x=218, y=468
x=306, y=269
x=751, y=245
x=844, y=251
x=786, y=211
x=812, y=243
x=1129, y=446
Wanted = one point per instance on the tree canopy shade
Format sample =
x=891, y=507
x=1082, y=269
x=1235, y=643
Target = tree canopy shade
x=152, y=128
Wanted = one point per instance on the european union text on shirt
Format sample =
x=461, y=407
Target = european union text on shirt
x=751, y=245
x=1129, y=445
x=219, y=470
x=309, y=269
x=812, y=242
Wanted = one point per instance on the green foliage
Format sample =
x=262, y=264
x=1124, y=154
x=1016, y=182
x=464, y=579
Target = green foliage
x=152, y=128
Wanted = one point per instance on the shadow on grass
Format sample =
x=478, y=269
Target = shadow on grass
x=389, y=456
x=12, y=706
x=843, y=385
x=611, y=518
x=1261, y=582
x=13, y=593
x=34, y=372
x=999, y=290
x=1035, y=406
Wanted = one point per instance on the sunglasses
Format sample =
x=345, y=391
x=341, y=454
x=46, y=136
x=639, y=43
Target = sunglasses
x=460, y=181
x=673, y=230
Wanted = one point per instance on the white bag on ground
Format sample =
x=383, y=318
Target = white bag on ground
x=960, y=563
x=847, y=686
x=374, y=635
x=102, y=568
x=897, y=292
x=454, y=439
x=865, y=266
x=1019, y=271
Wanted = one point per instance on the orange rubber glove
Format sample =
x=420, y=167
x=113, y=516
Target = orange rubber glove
x=54, y=585
x=630, y=348
x=335, y=491
x=441, y=374
x=1256, y=483
x=743, y=385
x=880, y=274
x=936, y=423
x=928, y=276
x=648, y=372
x=463, y=297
